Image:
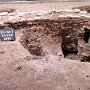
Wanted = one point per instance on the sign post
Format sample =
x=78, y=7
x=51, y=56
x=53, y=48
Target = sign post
x=7, y=34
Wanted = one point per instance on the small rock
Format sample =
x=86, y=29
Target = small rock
x=23, y=19
x=39, y=14
x=12, y=14
x=21, y=14
x=62, y=16
x=13, y=17
x=67, y=10
x=2, y=52
x=87, y=76
x=60, y=54
x=19, y=68
x=85, y=54
x=83, y=12
x=76, y=10
x=1, y=23
x=3, y=13
x=36, y=18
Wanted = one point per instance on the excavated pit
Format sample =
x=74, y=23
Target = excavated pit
x=63, y=37
x=45, y=37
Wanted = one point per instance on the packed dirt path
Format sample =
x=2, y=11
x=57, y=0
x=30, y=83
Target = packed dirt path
x=32, y=6
x=19, y=70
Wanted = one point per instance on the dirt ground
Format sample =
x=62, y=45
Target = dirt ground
x=44, y=6
x=19, y=70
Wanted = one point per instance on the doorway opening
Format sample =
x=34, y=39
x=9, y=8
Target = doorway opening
x=70, y=52
x=86, y=35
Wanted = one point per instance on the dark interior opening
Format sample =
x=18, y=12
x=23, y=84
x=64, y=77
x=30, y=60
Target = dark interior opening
x=86, y=35
x=65, y=52
x=70, y=53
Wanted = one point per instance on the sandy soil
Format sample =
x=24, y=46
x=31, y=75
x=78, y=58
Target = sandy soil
x=19, y=70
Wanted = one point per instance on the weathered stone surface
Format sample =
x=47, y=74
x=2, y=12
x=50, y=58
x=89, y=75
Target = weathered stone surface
x=7, y=34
